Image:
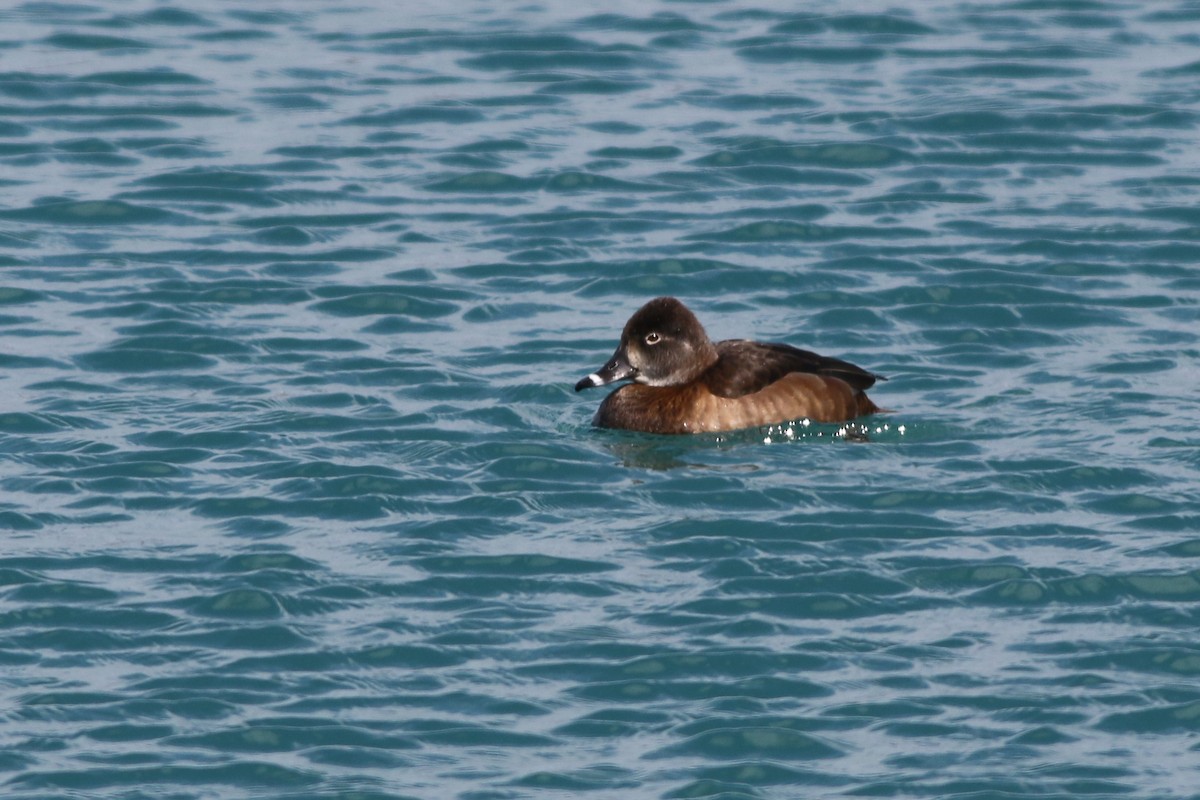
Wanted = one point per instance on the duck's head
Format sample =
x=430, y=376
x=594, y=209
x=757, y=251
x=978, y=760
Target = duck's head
x=663, y=344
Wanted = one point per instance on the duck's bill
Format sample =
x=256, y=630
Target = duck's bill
x=617, y=369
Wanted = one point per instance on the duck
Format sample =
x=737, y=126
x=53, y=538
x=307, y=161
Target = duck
x=681, y=382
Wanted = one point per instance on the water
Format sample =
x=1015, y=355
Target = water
x=297, y=500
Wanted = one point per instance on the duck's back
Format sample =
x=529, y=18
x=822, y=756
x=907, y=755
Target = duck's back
x=745, y=367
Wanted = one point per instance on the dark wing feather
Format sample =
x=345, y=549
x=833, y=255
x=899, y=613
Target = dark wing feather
x=745, y=367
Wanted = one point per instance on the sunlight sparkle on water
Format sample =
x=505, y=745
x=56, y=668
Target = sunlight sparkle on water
x=788, y=432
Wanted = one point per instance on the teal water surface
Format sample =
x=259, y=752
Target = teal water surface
x=296, y=499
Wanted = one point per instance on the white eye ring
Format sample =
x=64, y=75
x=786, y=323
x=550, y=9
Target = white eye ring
x=653, y=338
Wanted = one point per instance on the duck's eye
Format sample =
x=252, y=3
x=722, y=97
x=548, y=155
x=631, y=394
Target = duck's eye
x=653, y=338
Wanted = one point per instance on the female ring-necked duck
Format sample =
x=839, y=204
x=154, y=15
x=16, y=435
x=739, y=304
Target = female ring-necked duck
x=684, y=383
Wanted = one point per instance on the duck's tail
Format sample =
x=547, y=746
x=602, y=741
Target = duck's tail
x=867, y=406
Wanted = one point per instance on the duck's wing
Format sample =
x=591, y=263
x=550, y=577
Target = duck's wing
x=744, y=367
